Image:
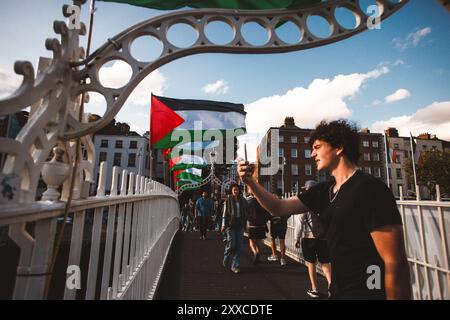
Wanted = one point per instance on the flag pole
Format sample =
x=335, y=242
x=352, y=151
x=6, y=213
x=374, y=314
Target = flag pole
x=149, y=140
x=413, y=160
x=150, y=154
x=416, y=186
x=387, y=158
x=91, y=26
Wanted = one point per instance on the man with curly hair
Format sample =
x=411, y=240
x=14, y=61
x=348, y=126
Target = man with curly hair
x=362, y=224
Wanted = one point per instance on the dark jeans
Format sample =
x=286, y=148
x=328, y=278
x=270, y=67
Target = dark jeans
x=234, y=246
x=203, y=224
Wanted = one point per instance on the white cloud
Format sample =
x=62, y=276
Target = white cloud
x=137, y=129
x=376, y=102
x=374, y=74
x=135, y=111
x=218, y=87
x=8, y=83
x=412, y=40
x=434, y=119
x=399, y=62
x=322, y=99
x=119, y=73
x=398, y=95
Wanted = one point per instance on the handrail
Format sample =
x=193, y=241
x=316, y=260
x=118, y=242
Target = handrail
x=128, y=237
x=425, y=225
x=39, y=210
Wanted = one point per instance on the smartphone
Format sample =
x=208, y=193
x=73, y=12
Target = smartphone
x=250, y=165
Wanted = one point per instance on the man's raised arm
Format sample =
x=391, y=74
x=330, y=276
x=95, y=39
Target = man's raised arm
x=275, y=206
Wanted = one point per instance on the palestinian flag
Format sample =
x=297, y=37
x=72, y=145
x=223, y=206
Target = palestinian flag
x=190, y=175
x=390, y=152
x=416, y=153
x=175, y=120
x=166, y=153
x=189, y=148
x=220, y=4
x=186, y=162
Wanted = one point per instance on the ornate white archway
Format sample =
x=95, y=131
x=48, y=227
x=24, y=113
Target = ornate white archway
x=55, y=94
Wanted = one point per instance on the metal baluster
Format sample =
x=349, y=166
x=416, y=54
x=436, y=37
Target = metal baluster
x=76, y=244
x=95, y=239
x=126, y=245
x=105, y=289
x=117, y=286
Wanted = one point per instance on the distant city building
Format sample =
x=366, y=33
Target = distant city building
x=119, y=146
x=402, y=148
x=294, y=152
x=372, y=151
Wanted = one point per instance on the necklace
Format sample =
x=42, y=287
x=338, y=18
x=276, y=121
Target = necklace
x=330, y=191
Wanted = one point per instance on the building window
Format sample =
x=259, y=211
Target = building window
x=366, y=156
x=365, y=143
x=396, y=146
x=293, y=139
x=279, y=184
x=294, y=186
x=117, y=159
x=102, y=157
x=399, y=173
x=132, y=160
x=377, y=172
x=367, y=170
x=308, y=170
x=294, y=169
x=398, y=159
x=376, y=156
x=281, y=152
x=307, y=153
x=133, y=144
x=281, y=139
x=104, y=143
x=375, y=144
x=119, y=144
x=306, y=139
x=294, y=153
x=406, y=154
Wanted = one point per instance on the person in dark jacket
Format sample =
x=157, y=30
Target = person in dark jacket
x=234, y=218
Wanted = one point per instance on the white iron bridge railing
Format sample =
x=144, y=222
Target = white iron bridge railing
x=426, y=225
x=113, y=246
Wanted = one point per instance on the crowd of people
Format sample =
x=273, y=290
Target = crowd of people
x=350, y=224
x=239, y=212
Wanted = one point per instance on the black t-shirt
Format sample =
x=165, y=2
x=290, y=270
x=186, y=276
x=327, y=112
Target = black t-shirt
x=362, y=205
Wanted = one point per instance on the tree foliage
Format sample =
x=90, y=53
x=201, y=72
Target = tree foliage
x=433, y=169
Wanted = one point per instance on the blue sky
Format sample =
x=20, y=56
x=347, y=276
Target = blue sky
x=407, y=59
